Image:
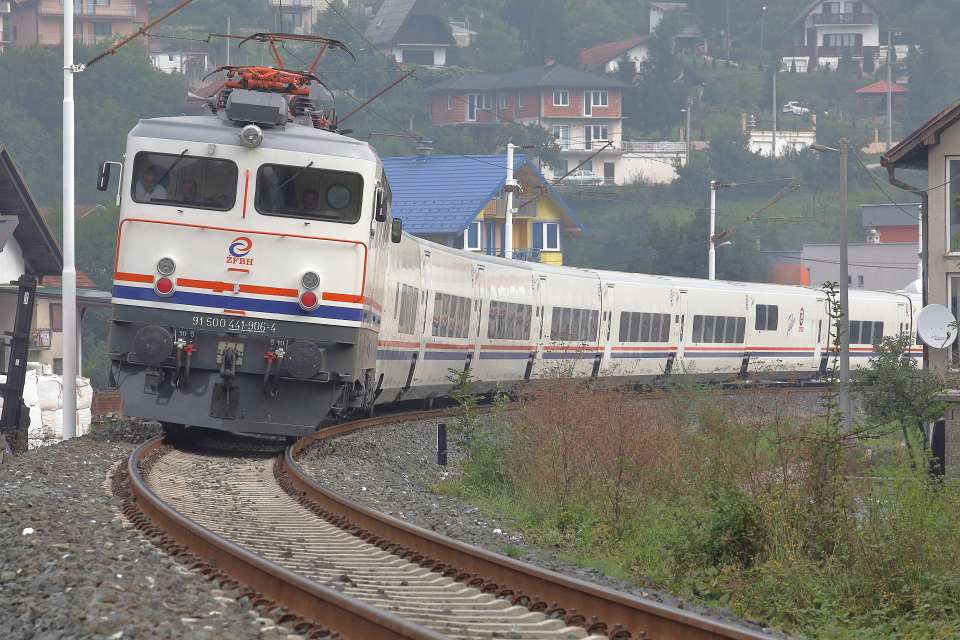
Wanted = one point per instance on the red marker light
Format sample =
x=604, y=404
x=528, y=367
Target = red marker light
x=164, y=286
x=308, y=300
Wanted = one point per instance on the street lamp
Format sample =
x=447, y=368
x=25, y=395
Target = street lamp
x=763, y=14
x=845, y=406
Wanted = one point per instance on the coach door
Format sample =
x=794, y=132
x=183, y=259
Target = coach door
x=681, y=329
x=537, y=328
x=606, y=325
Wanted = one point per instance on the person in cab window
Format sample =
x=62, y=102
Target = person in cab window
x=148, y=187
x=188, y=192
x=311, y=200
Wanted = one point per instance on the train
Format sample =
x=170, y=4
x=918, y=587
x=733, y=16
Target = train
x=263, y=286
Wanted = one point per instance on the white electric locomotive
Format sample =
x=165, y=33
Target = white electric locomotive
x=261, y=286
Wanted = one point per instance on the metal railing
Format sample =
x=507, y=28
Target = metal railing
x=116, y=8
x=522, y=254
x=645, y=146
x=843, y=18
x=41, y=339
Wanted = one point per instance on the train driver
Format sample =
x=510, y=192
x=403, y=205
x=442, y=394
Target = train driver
x=148, y=187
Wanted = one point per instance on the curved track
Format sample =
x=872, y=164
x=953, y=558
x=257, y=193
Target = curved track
x=327, y=560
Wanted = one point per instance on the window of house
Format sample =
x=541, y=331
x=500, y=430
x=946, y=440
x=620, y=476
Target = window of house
x=860, y=282
x=718, y=329
x=451, y=316
x=56, y=316
x=417, y=56
x=58, y=366
x=593, y=99
x=102, y=29
x=842, y=39
x=766, y=317
x=449, y=101
x=594, y=132
x=407, y=319
x=561, y=132
x=509, y=321
x=561, y=98
x=546, y=236
x=609, y=172
x=953, y=282
x=472, y=235
x=486, y=101
x=170, y=58
x=503, y=102
x=953, y=198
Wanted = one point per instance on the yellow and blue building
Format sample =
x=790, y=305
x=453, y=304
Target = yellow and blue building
x=460, y=201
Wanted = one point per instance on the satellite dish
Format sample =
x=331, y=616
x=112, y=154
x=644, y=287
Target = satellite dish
x=936, y=326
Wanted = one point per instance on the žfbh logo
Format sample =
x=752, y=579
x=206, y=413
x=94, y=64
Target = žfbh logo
x=238, y=249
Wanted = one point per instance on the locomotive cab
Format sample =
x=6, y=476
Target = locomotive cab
x=248, y=270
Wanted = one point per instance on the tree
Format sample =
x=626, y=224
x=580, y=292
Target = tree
x=897, y=394
x=663, y=89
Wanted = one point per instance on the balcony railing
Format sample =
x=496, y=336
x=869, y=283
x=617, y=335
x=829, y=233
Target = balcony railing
x=840, y=52
x=525, y=255
x=644, y=146
x=116, y=9
x=41, y=339
x=803, y=51
x=843, y=18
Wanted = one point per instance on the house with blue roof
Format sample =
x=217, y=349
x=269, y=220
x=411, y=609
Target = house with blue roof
x=459, y=201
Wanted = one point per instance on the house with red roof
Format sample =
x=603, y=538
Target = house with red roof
x=873, y=97
x=582, y=110
x=609, y=56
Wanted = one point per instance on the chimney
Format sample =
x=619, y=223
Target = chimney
x=549, y=62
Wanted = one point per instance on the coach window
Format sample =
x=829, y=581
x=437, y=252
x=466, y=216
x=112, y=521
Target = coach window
x=179, y=180
x=306, y=192
x=766, y=317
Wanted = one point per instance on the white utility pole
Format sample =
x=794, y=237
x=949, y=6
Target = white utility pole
x=712, y=254
x=889, y=91
x=69, y=272
x=509, y=187
x=773, y=130
x=229, y=43
x=689, y=118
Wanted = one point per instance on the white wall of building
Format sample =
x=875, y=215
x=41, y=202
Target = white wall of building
x=12, y=267
x=439, y=53
x=637, y=56
x=760, y=142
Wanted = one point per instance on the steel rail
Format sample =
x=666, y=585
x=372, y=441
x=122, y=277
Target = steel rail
x=312, y=601
x=638, y=616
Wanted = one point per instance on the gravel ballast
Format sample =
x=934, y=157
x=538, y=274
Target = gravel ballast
x=394, y=468
x=72, y=567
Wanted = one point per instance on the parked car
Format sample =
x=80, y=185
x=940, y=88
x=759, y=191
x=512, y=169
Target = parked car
x=796, y=107
x=583, y=177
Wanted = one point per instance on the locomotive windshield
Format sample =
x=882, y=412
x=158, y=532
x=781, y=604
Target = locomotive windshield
x=306, y=192
x=180, y=180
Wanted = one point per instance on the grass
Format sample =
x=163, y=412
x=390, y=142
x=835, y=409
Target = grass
x=777, y=517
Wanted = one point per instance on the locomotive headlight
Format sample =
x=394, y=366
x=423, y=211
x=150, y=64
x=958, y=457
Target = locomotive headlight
x=310, y=281
x=166, y=266
x=251, y=136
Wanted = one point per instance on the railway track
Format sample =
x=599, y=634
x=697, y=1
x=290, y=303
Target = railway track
x=325, y=565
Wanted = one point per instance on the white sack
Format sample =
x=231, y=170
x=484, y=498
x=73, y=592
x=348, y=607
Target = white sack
x=49, y=393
